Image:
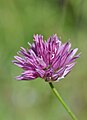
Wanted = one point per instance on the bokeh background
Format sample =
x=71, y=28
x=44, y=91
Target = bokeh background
x=34, y=100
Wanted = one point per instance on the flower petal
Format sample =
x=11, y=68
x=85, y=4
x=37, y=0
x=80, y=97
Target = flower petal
x=41, y=72
x=59, y=73
x=68, y=69
x=27, y=75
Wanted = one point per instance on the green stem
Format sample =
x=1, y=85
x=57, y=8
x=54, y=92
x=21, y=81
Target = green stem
x=62, y=102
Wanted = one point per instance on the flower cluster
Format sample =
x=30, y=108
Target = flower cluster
x=51, y=60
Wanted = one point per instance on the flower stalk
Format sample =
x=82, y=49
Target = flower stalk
x=62, y=101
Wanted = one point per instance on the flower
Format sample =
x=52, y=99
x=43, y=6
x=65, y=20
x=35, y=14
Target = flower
x=51, y=60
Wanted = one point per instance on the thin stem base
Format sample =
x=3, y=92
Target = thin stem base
x=62, y=101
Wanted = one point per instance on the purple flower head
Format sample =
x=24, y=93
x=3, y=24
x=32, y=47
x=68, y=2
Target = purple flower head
x=51, y=60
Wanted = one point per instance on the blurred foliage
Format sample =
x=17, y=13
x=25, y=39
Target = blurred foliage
x=33, y=100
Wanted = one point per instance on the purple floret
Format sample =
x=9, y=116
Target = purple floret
x=51, y=60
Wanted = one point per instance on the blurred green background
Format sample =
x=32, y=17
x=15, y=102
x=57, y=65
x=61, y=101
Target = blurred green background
x=34, y=100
